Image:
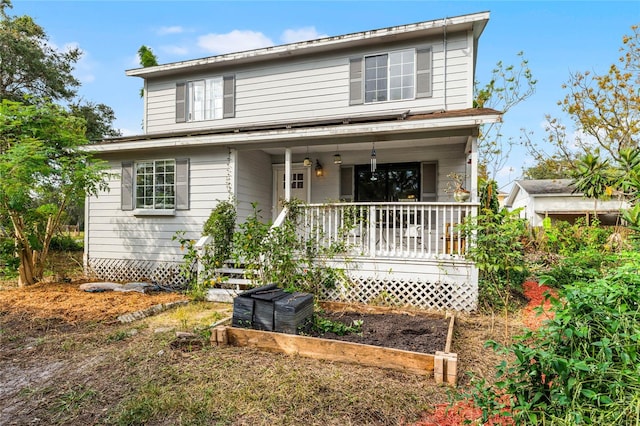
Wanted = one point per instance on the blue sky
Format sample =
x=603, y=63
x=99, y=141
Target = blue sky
x=556, y=37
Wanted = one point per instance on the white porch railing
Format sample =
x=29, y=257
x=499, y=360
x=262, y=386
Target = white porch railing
x=397, y=230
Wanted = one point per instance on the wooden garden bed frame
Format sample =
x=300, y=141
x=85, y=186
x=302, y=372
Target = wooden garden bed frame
x=442, y=364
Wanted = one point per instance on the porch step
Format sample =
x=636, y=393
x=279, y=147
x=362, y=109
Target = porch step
x=230, y=271
x=237, y=281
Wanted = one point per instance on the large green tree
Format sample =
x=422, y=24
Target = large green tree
x=29, y=64
x=42, y=171
x=99, y=119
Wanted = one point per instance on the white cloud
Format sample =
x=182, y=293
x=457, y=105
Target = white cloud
x=176, y=29
x=128, y=132
x=83, y=68
x=234, y=41
x=175, y=50
x=300, y=34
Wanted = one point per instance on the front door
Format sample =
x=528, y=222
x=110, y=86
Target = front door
x=300, y=186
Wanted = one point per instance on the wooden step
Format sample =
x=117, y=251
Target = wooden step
x=236, y=271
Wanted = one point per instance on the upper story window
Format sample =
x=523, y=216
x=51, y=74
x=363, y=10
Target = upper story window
x=390, y=76
x=205, y=99
x=396, y=75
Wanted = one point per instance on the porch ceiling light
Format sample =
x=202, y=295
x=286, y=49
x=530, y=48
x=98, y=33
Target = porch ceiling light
x=319, y=169
x=337, y=159
x=307, y=160
x=373, y=159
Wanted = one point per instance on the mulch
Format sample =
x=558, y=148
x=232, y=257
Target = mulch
x=465, y=412
x=68, y=303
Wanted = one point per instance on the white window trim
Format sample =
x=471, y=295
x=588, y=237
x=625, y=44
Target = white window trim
x=388, y=53
x=190, y=103
x=152, y=211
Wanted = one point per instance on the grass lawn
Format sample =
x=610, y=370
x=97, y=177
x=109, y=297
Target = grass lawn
x=65, y=359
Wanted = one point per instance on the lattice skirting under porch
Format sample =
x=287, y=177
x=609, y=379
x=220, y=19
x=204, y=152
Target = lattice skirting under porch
x=166, y=274
x=396, y=291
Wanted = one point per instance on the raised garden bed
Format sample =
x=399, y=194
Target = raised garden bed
x=439, y=362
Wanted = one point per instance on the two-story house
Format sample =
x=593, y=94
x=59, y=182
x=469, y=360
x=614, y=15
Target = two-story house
x=375, y=121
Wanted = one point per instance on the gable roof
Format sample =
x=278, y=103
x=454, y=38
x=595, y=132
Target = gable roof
x=472, y=22
x=547, y=186
x=541, y=187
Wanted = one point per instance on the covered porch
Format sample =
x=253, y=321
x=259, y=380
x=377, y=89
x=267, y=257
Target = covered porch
x=403, y=230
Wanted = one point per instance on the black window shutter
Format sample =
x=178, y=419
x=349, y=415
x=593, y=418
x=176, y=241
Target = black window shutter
x=182, y=184
x=228, y=96
x=424, y=73
x=429, y=182
x=126, y=186
x=355, y=81
x=181, y=102
x=346, y=183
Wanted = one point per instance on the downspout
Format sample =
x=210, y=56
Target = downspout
x=85, y=255
x=444, y=48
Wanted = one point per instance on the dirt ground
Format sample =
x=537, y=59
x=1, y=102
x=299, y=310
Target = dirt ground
x=409, y=332
x=66, y=359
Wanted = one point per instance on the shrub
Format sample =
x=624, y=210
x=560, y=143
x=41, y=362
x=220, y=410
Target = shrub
x=8, y=261
x=221, y=226
x=581, y=367
x=65, y=243
x=583, y=265
x=498, y=252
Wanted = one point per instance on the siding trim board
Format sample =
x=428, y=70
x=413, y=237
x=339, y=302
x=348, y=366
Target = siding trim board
x=356, y=124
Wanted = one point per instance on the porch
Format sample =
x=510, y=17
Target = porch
x=396, y=253
x=402, y=230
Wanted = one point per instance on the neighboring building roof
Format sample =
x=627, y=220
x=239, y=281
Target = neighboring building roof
x=473, y=22
x=535, y=187
x=547, y=186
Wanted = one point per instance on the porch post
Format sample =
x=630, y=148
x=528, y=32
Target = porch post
x=473, y=156
x=372, y=231
x=287, y=174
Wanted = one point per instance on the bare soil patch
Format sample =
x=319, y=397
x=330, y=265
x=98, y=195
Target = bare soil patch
x=416, y=333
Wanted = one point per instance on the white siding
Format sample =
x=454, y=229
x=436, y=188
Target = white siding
x=116, y=234
x=450, y=158
x=316, y=88
x=253, y=184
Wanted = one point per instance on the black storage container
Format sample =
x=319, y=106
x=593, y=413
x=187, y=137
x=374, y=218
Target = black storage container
x=293, y=312
x=243, y=306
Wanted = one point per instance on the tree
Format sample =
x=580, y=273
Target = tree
x=147, y=59
x=42, y=171
x=29, y=64
x=605, y=109
x=549, y=168
x=509, y=86
x=99, y=120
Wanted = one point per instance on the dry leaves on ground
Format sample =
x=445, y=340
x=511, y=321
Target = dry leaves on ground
x=68, y=303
